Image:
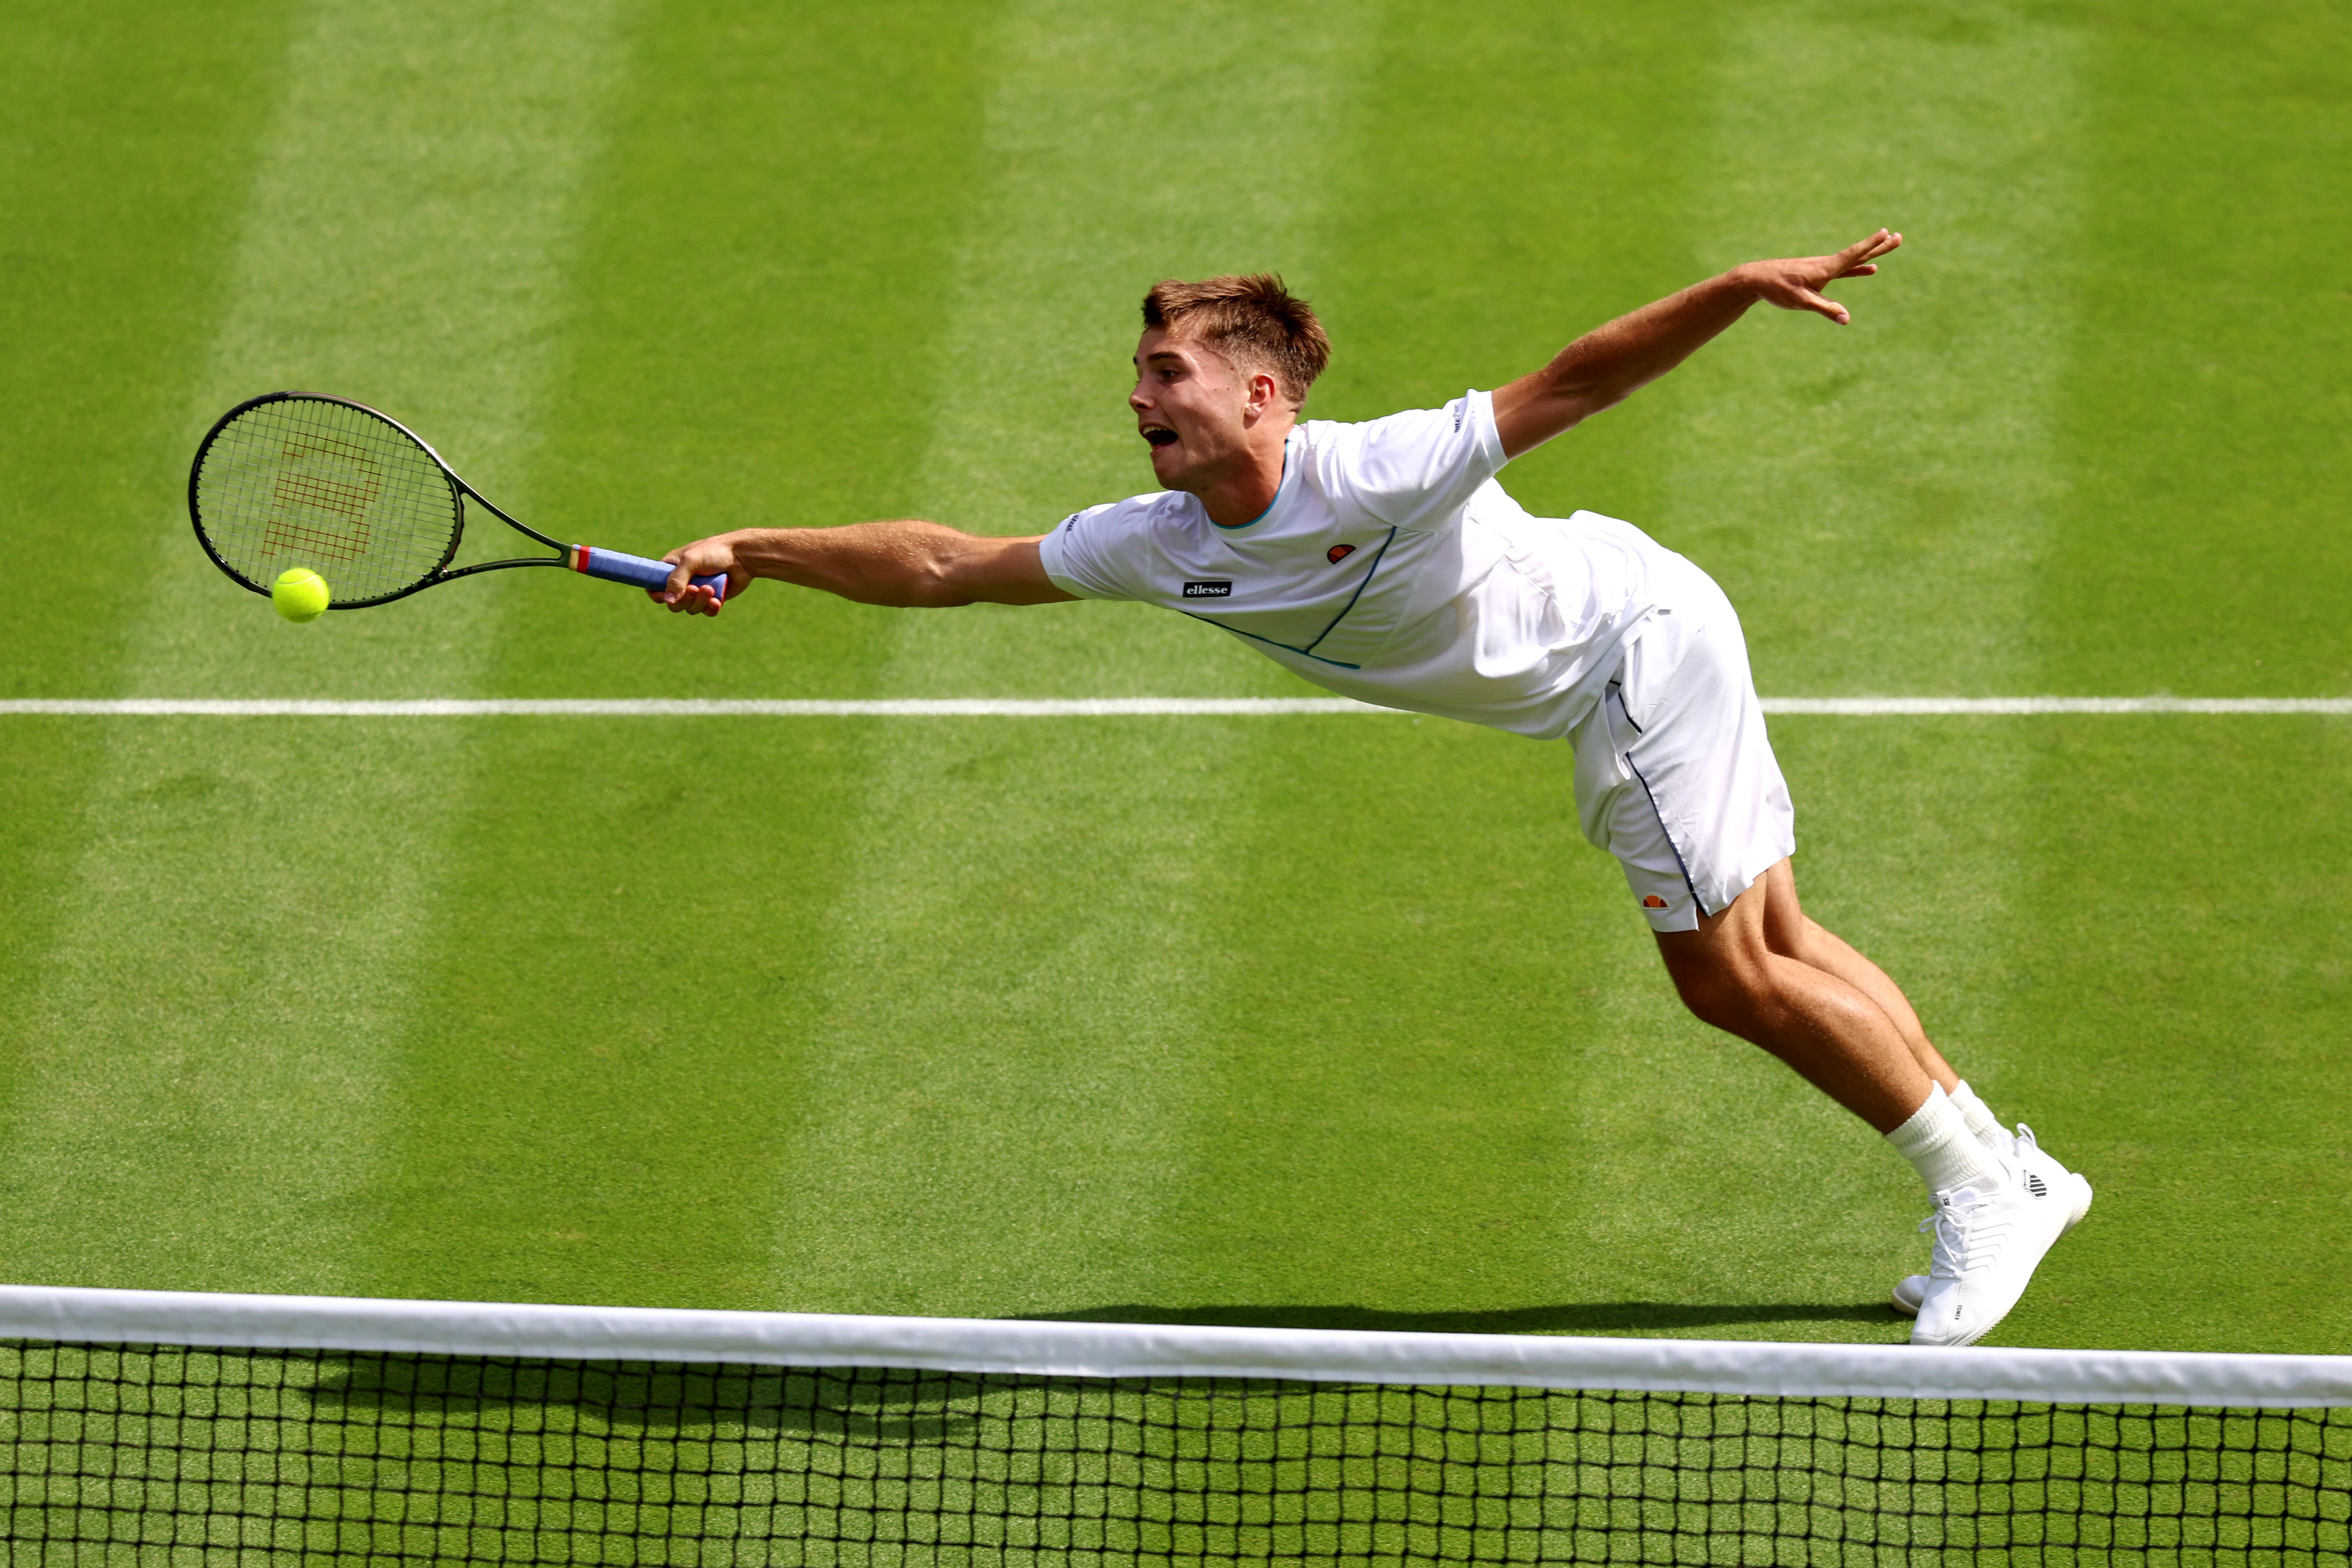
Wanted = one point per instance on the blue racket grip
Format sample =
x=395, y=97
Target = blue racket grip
x=615, y=567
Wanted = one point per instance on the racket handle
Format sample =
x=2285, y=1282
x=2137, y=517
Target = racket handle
x=614, y=566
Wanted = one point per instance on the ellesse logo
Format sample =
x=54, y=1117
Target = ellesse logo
x=1653, y=902
x=1339, y=552
x=1221, y=590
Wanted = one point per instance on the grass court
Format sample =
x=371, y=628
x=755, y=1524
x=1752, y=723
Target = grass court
x=1311, y=1019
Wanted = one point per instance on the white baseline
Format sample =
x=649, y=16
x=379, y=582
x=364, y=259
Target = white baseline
x=1050, y=707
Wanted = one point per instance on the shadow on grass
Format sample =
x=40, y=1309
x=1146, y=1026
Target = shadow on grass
x=1579, y=1318
x=845, y=1405
x=862, y=1407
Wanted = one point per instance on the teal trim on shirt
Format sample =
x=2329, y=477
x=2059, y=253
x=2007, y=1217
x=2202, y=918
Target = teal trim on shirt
x=1279, y=486
x=1309, y=651
x=1334, y=663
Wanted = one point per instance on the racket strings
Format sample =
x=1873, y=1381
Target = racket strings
x=305, y=482
x=336, y=483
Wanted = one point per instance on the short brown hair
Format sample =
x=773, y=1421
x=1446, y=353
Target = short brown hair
x=1251, y=321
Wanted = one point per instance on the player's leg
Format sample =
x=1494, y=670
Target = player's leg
x=1730, y=973
x=1836, y=1035
x=1790, y=931
x=1676, y=777
x=1994, y=1220
x=1680, y=784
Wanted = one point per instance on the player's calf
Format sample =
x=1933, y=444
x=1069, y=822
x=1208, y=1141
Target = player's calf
x=1832, y=1035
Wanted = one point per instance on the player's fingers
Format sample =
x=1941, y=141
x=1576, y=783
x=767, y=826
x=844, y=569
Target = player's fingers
x=1859, y=249
x=1847, y=263
x=1878, y=244
x=680, y=576
x=1829, y=308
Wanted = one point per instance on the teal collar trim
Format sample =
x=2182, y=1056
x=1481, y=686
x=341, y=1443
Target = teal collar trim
x=1281, y=491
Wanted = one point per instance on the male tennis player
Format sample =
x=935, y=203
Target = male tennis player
x=1382, y=561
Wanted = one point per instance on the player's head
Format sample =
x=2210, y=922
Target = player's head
x=1223, y=365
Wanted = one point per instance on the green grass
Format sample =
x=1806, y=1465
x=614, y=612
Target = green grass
x=1309, y=1020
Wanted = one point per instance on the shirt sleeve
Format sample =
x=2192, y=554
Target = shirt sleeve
x=1415, y=471
x=1097, y=553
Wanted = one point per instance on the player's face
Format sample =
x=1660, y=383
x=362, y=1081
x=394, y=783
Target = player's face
x=1192, y=406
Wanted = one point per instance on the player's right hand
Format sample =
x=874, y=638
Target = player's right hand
x=703, y=558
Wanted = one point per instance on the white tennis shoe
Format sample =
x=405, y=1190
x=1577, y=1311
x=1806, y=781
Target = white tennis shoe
x=1987, y=1247
x=2042, y=1166
x=2039, y=1165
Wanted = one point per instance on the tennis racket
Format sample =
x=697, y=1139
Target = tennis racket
x=299, y=478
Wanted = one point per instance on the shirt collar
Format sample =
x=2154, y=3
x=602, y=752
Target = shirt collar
x=1282, y=492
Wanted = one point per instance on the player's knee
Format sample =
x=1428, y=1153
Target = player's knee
x=1711, y=1006
x=1724, y=995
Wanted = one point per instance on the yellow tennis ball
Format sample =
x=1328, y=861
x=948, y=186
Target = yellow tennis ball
x=301, y=595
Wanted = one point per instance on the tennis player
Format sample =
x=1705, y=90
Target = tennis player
x=1382, y=561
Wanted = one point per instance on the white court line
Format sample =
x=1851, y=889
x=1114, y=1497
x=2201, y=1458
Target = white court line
x=1057, y=708
x=698, y=707
x=1866, y=706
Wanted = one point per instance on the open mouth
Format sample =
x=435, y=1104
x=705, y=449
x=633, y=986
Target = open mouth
x=1160, y=435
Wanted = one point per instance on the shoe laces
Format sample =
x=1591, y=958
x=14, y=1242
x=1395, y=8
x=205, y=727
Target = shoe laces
x=1949, y=1227
x=1948, y=1254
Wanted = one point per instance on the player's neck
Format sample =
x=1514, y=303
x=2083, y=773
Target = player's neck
x=1240, y=496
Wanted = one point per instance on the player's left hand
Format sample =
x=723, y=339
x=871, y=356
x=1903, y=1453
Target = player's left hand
x=1796, y=284
x=703, y=558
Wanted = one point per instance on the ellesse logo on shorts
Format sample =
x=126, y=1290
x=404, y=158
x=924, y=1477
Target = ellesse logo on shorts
x=1223, y=590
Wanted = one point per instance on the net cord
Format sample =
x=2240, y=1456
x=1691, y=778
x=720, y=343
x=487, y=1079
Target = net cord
x=1165, y=1350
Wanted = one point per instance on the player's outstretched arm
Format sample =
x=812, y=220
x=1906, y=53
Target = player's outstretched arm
x=1610, y=363
x=910, y=564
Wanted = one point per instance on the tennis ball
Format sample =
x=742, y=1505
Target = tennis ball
x=301, y=595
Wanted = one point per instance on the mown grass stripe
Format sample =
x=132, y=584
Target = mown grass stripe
x=1038, y=1082
x=238, y=949
x=1064, y=708
x=1966, y=140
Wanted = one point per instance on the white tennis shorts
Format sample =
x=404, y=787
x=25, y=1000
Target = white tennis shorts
x=1673, y=774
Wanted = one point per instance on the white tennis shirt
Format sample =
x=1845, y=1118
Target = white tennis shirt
x=1391, y=567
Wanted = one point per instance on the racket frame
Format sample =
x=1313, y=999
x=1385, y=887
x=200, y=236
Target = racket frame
x=567, y=555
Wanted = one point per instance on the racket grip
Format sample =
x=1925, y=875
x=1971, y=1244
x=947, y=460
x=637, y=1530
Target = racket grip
x=614, y=566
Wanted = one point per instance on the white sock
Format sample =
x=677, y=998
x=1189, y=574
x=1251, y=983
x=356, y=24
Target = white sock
x=1941, y=1148
x=1981, y=1119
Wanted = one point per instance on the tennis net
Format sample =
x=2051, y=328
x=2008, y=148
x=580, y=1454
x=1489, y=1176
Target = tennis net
x=170, y=1428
